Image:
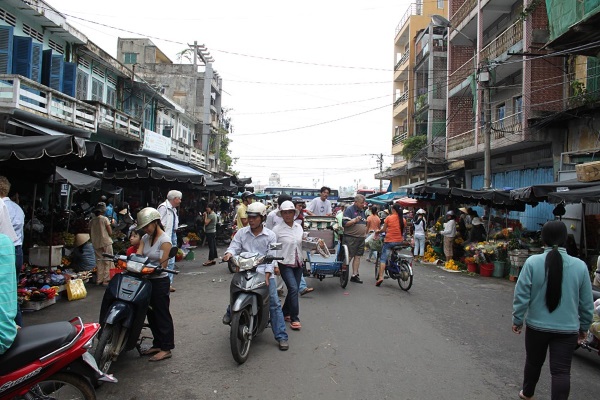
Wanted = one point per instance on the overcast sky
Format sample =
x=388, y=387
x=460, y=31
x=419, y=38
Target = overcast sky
x=319, y=119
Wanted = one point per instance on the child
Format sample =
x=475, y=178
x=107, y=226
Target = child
x=134, y=240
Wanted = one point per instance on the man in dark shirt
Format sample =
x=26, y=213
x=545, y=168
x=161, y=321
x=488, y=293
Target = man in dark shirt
x=355, y=231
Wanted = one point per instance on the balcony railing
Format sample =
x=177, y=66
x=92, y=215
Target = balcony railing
x=512, y=124
x=399, y=138
x=462, y=12
x=180, y=150
x=413, y=9
x=402, y=99
x=511, y=36
x=461, y=141
x=461, y=73
x=117, y=121
x=402, y=60
x=18, y=92
x=197, y=157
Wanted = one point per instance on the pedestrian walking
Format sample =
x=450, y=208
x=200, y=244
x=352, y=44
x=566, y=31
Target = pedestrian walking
x=355, y=230
x=100, y=232
x=553, y=297
x=419, y=224
x=170, y=221
x=210, y=227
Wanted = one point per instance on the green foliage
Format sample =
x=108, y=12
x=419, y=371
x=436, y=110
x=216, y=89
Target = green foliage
x=413, y=145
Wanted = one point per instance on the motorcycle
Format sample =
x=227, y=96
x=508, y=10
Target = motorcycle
x=224, y=233
x=50, y=361
x=124, y=307
x=591, y=343
x=249, y=302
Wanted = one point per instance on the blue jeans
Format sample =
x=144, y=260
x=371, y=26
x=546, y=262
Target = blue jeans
x=291, y=276
x=171, y=264
x=19, y=267
x=385, y=251
x=277, y=322
x=302, y=286
x=419, y=245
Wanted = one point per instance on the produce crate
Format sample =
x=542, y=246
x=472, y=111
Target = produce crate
x=38, y=256
x=588, y=172
x=37, y=305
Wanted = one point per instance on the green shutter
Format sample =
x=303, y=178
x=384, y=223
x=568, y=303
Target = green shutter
x=593, y=76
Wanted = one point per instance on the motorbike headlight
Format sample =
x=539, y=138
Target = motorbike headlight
x=246, y=264
x=134, y=266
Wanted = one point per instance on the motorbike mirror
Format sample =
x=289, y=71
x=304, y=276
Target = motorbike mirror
x=275, y=246
x=173, y=252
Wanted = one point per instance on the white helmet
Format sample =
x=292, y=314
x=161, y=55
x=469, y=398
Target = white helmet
x=421, y=211
x=256, y=209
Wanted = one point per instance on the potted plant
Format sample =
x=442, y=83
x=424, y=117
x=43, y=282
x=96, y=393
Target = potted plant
x=471, y=264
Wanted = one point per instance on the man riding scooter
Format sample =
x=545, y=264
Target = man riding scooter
x=255, y=238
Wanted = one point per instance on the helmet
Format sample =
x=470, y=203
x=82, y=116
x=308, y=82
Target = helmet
x=421, y=211
x=450, y=213
x=146, y=216
x=256, y=209
x=297, y=200
x=247, y=194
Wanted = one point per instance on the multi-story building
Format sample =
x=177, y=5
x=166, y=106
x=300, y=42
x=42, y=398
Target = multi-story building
x=196, y=87
x=418, y=101
x=502, y=87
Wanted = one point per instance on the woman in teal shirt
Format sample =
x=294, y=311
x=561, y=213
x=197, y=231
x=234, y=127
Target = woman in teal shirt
x=8, y=293
x=553, y=296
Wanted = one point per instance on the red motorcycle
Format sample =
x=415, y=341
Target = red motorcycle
x=52, y=361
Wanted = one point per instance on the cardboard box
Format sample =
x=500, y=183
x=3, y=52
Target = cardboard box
x=588, y=172
x=38, y=256
x=37, y=305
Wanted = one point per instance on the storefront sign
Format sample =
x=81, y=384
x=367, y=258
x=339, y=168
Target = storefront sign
x=64, y=189
x=156, y=143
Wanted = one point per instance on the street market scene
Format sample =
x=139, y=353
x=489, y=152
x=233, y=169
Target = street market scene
x=176, y=226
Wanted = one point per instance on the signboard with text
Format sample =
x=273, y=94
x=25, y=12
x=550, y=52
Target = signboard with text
x=156, y=143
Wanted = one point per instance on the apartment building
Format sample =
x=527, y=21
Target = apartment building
x=418, y=98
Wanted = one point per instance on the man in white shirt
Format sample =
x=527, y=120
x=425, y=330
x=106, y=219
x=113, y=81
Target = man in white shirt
x=170, y=222
x=320, y=206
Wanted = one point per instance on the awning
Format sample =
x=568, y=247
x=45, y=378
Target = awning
x=37, y=147
x=421, y=183
x=174, y=166
x=157, y=174
x=79, y=181
x=538, y=193
x=35, y=127
x=584, y=195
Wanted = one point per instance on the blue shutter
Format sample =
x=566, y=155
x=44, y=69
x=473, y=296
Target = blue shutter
x=52, y=70
x=6, y=47
x=69, y=82
x=36, y=62
x=21, y=62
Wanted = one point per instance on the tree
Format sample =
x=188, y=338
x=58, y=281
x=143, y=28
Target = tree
x=224, y=153
x=413, y=145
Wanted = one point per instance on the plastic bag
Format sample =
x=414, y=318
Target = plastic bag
x=76, y=289
x=370, y=237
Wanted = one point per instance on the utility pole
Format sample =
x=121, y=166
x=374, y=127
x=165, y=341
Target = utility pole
x=484, y=80
x=380, y=163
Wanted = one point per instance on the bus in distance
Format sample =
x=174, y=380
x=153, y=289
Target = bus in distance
x=306, y=194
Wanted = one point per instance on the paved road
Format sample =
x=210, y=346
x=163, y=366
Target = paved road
x=448, y=338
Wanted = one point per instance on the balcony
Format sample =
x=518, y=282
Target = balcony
x=460, y=142
x=400, y=137
x=504, y=41
x=118, y=122
x=462, y=13
x=402, y=60
x=20, y=93
x=180, y=150
x=507, y=126
x=413, y=9
x=457, y=77
x=197, y=157
x=402, y=99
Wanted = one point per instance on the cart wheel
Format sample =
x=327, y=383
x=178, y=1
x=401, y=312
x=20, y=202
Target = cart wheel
x=345, y=274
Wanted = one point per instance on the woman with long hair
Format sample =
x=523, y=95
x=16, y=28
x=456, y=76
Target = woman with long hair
x=553, y=297
x=155, y=245
x=393, y=226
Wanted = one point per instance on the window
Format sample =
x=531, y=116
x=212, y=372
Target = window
x=440, y=4
x=97, y=90
x=130, y=58
x=111, y=96
x=500, y=114
x=82, y=85
x=518, y=108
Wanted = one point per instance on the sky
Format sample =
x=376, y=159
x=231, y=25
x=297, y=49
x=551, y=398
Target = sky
x=308, y=84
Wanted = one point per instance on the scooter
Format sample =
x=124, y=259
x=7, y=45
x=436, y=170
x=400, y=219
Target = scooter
x=51, y=361
x=224, y=233
x=249, y=302
x=124, y=307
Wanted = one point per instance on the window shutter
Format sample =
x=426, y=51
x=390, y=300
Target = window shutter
x=52, y=70
x=36, y=61
x=21, y=60
x=593, y=68
x=82, y=85
x=69, y=80
x=6, y=45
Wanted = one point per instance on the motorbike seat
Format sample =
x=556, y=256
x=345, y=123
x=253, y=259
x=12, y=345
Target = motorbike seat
x=33, y=342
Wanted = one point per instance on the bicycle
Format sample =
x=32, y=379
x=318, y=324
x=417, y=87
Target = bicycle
x=398, y=266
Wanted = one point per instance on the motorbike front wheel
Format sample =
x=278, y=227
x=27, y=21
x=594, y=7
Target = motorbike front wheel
x=107, y=347
x=240, y=336
x=63, y=385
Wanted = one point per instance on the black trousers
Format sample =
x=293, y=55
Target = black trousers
x=211, y=239
x=159, y=316
x=561, y=346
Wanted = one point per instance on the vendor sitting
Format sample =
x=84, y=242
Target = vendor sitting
x=477, y=232
x=82, y=256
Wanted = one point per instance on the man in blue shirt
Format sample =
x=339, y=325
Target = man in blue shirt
x=8, y=294
x=255, y=238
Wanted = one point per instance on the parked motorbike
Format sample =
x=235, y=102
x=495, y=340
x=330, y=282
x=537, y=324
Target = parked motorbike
x=124, y=307
x=224, y=233
x=50, y=361
x=249, y=302
x=591, y=343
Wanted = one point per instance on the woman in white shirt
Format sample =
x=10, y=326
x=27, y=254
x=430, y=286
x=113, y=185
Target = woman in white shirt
x=419, y=235
x=289, y=234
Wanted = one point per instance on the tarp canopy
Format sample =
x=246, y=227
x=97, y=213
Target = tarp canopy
x=157, y=174
x=589, y=194
x=79, y=181
x=37, y=147
x=174, y=166
x=491, y=197
x=108, y=154
x=537, y=193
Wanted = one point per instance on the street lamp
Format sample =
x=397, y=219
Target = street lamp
x=483, y=80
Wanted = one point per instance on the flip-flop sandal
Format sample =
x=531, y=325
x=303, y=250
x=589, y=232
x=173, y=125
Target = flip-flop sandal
x=306, y=291
x=155, y=358
x=206, y=264
x=379, y=282
x=295, y=326
x=287, y=318
x=151, y=351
